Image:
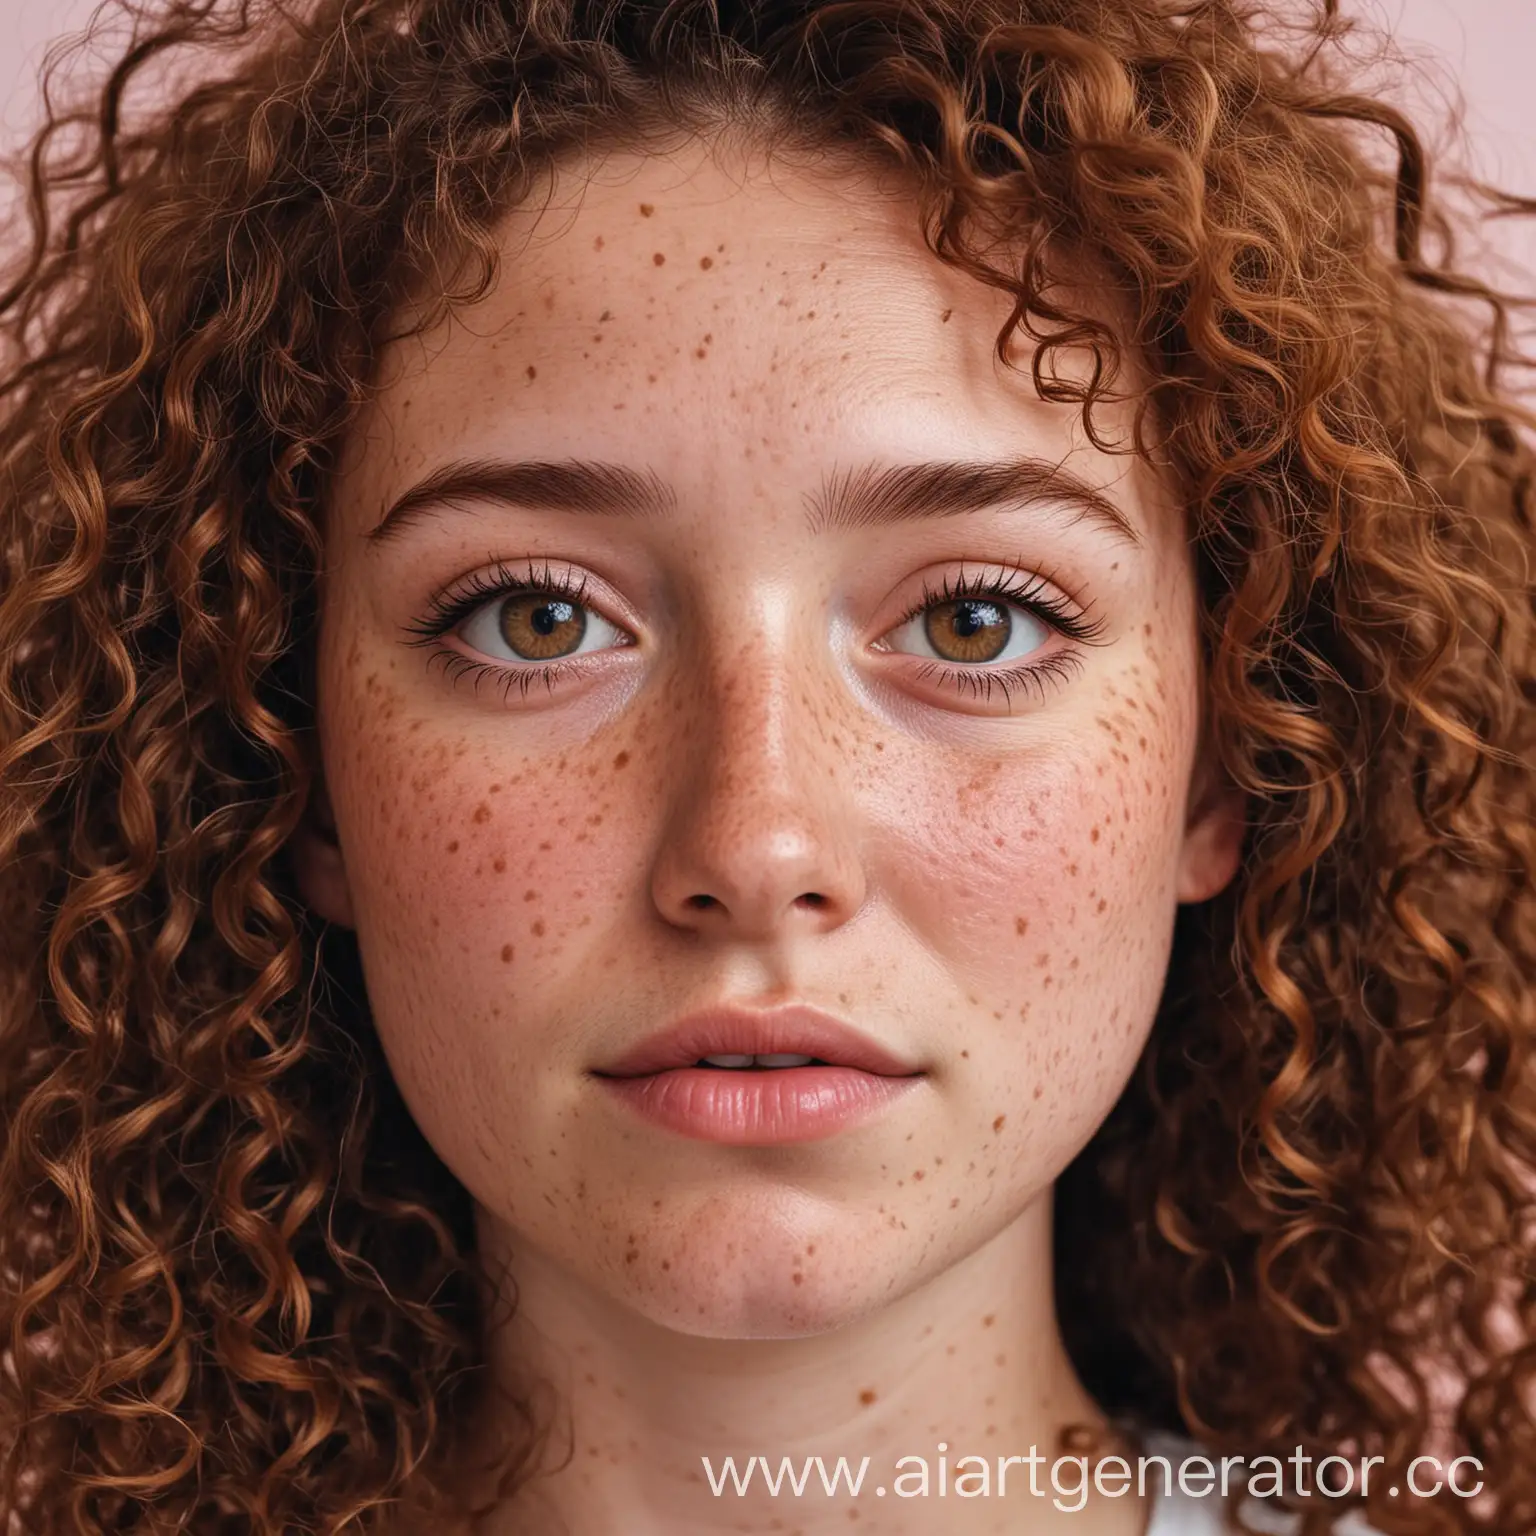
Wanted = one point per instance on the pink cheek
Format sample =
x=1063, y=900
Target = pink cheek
x=485, y=855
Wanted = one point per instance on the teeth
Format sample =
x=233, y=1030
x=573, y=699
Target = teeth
x=773, y=1059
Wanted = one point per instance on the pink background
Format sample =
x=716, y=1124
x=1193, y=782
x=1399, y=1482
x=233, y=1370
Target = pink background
x=1482, y=52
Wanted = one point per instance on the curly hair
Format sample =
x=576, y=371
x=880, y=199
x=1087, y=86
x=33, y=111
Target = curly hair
x=239, y=1290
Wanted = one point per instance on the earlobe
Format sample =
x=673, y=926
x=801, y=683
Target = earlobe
x=318, y=866
x=1213, y=837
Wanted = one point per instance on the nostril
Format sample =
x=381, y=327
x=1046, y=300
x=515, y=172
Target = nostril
x=813, y=899
x=702, y=903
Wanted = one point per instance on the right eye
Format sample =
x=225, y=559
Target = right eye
x=537, y=626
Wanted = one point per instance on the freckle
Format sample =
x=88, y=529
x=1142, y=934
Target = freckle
x=506, y=954
x=810, y=1248
x=944, y=318
x=879, y=746
x=966, y=1055
x=647, y=209
x=538, y=928
x=621, y=759
x=1102, y=904
x=631, y=1256
x=529, y=895
x=1021, y=926
x=453, y=847
x=867, y=1396
x=706, y=262
x=955, y=1203
x=988, y=1320
x=997, y=1124
x=659, y=259
x=798, y=1278
x=666, y=1263
x=482, y=812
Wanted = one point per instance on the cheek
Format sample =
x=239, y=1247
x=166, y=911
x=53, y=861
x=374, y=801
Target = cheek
x=1048, y=889
x=479, y=870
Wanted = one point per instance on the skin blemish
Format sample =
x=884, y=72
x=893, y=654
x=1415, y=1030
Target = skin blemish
x=538, y=927
x=867, y=1396
x=499, y=865
x=482, y=812
x=706, y=262
x=1021, y=926
x=659, y=259
x=621, y=760
x=944, y=318
x=531, y=371
x=506, y=954
x=453, y=847
x=998, y=1124
x=647, y=209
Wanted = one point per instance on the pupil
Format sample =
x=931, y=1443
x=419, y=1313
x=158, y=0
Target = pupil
x=548, y=615
x=970, y=617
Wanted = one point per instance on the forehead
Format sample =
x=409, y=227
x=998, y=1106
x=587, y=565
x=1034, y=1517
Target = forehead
x=707, y=310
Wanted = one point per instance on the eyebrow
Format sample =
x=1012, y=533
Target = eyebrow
x=864, y=498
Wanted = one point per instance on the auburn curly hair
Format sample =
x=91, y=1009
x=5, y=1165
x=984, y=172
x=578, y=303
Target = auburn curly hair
x=239, y=1290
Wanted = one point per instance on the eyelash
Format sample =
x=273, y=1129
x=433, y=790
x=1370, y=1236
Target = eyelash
x=1030, y=593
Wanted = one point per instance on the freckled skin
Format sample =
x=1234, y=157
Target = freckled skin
x=995, y=888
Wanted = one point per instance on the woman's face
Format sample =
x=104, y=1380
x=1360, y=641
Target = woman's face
x=855, y=677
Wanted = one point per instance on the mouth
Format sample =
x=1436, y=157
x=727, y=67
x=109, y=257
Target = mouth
x=736, y=1040
x=745, y=1078
x=773, y=1062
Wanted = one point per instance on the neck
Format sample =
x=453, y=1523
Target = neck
x=970, y=1364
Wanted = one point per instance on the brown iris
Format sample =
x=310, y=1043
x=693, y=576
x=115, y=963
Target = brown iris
x=538, y=626
x=968, y=629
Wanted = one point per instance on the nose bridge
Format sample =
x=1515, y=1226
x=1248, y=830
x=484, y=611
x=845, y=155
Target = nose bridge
x=759, y=828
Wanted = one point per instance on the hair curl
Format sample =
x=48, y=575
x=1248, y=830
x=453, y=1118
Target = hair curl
x=239, y=1290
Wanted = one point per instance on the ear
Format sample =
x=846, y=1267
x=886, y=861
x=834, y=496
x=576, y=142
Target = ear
x=318, y=866
x=1213, y=833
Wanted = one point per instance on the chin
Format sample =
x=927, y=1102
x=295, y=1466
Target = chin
x=754, y=1277
x=731, y=1305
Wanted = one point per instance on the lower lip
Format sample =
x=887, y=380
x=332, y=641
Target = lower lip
x=755, y=1108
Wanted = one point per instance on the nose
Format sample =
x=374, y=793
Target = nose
x=761, y=838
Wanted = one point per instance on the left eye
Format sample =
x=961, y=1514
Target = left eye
x=537, y=626
x=971, y=630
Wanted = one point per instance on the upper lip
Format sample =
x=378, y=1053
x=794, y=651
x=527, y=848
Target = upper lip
x=796, y=1029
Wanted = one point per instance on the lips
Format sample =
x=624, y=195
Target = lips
x=795, y=1030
